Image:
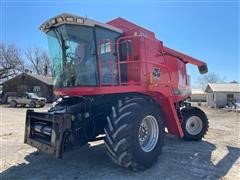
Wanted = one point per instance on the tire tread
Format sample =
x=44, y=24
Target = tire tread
x=118, y=132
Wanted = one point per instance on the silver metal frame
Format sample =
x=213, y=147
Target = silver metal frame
x=148, y=133
x=194, y=125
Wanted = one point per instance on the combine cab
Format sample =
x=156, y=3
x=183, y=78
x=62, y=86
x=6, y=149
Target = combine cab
x=116, y=80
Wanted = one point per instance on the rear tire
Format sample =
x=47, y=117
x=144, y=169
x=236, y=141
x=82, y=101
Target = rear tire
x=13, y=103
x=125, y=137
x=195, y=123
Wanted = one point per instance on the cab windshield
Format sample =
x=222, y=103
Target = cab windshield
x=73, y=56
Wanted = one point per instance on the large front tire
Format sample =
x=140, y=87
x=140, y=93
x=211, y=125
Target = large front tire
x=134, y=133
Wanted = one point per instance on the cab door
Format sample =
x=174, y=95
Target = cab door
x=107, y=56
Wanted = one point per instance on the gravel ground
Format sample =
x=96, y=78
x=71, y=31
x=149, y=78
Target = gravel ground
x=216, y=157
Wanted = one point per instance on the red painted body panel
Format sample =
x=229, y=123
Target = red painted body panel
x=172, y=123
x=147, y=58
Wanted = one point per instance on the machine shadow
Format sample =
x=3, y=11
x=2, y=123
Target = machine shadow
x=91, y=162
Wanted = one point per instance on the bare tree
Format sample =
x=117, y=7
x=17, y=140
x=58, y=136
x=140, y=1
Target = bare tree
x=11, y=62
x=46, y=62
x=39, y=61
x=209, y=78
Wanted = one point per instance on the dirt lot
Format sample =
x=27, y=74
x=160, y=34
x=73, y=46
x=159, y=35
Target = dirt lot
x=216, y=157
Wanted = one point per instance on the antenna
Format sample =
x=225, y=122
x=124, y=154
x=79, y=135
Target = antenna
x=84, y=9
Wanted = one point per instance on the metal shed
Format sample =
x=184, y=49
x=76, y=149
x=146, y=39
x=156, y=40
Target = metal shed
x=198, y=95
x=27, y=82
x=221, y=95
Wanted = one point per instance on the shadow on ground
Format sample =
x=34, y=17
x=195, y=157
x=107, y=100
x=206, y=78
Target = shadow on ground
x=179, y=160
x=21, y=107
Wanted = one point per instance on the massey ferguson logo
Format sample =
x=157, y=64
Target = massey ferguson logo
x=156, y=73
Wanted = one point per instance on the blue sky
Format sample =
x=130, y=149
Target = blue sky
x=207, y=30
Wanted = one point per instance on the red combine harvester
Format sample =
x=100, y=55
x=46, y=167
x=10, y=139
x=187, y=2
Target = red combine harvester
x=117, y=82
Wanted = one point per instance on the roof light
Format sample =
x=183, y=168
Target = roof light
x=69, y=19
x=43, y=28
x=47, y=25
x=80, y=20
x=53, y=21
x=60, y=20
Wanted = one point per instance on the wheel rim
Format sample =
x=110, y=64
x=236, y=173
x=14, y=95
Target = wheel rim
x=148, y=133
x=194, y=125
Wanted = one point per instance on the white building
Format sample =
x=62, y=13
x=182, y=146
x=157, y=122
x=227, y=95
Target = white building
x=198, y=95
x=221, y=95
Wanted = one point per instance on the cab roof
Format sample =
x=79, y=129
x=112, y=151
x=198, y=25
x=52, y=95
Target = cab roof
x=66, y=18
